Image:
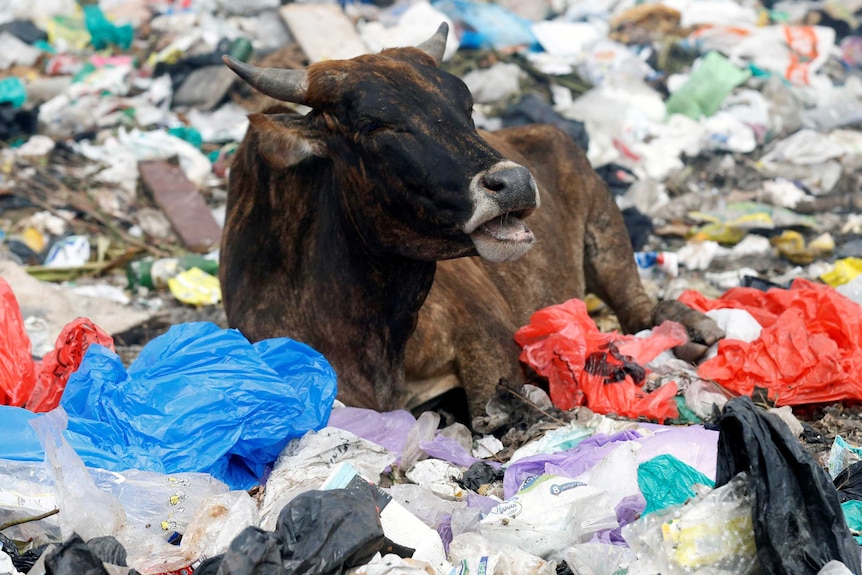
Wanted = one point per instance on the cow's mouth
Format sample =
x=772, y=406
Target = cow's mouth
x=508, y=227
x=505, y=237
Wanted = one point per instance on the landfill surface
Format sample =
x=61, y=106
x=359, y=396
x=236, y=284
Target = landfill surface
x=139, y=435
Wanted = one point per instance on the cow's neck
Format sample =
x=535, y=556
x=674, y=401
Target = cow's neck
x=370, y=306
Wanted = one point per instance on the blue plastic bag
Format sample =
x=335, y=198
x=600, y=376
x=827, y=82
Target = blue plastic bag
x=198, y=398
x=488, y=25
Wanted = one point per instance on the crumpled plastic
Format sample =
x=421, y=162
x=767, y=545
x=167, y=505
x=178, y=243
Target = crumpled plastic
x=198, y=398
x=810, y=349
x=39, y=385
x=601, y=370
x=799, y=525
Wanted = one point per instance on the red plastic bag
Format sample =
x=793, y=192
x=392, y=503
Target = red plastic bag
x=17, y=371
x=810, y=349
x=601, y=370
x=38, y=386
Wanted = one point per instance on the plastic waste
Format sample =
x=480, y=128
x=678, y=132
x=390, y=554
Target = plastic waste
x=38, y=386
x=472, y=553
x=652, y=261
x=68, y=252
x=495, y=84
x=195, y=287
x=799, y=527
x=487, y=25
x=563, y=344
x=319, y=532
x=424, y=430
x=665, y=481
x=548, y=514
x=819, y=321
x=842, y=456
x=258, y=397
x=155, y=273
x=711, y=533
x=306, y=462
x=12, y=90
x=413, y=26
x=707, y=87
x=103, y=33
x=388, y=429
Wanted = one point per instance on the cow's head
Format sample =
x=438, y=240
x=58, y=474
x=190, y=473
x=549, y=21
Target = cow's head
x=415, y=177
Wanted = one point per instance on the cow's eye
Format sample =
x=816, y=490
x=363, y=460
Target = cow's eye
x=372, y=127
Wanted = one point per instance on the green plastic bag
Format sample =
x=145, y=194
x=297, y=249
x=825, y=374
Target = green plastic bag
x=707, y=87
x=666, y=481
x=103, y=32
x=12, y=90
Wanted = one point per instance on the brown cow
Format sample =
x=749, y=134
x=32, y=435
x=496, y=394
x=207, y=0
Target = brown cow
x=336, y=222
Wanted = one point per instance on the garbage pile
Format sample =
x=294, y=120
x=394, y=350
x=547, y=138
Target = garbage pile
x=727, y=132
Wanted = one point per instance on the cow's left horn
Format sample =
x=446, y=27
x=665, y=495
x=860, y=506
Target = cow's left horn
x=435, y=46
x=281, y=84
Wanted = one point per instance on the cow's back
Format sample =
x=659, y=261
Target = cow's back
x=464, y=334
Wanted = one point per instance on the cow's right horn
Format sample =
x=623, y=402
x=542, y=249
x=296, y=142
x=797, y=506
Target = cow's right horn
x=281, y=84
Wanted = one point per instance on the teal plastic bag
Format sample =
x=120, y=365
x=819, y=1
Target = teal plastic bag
x=103, y=32
x=198, y=398
x=666, y=481
x=12, y=90
x=707, y=87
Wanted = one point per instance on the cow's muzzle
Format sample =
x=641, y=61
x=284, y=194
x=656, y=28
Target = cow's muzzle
x=502, y=197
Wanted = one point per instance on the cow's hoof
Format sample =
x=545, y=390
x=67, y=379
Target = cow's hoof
x=702, y=330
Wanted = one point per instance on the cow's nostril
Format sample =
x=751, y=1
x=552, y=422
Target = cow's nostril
x=495, y=181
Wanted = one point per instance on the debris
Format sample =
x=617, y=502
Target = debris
x=182, y=203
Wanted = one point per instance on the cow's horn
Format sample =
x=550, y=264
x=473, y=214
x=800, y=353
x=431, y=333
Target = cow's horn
x=435, y=46
x=281, y=84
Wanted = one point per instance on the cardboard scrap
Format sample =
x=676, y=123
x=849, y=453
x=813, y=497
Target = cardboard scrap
x=181, y=202
x=323, y=31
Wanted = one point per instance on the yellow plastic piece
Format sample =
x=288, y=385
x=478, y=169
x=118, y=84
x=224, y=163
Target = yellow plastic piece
x=843, y=272
x=34, y=239
x=792, y=246
x=700, y=544
x=195, y=287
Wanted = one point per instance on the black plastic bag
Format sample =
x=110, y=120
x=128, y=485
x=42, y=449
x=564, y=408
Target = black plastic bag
x=849, y=483
x=798, y=522
x=74, y=558
x=531, y=109
x=21, y=561
x=318, y=532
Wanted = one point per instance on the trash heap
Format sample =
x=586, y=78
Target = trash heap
x=145, y=438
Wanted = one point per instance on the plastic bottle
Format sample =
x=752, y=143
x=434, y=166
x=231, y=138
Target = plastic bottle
x=152, y=273
x=649, y=262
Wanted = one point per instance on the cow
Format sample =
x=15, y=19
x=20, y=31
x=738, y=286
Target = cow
x=384, y=230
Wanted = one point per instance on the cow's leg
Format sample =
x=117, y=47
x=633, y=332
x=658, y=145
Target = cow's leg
x=611, y=273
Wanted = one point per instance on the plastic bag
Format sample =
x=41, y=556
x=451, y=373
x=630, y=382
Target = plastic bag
x=548, y=514
x=198, y=398
x=388, y=429
x=807, y=352
x=712, y=533
x=38, y=386
x=799, y=525
x=318, y=533
x=707, y=87
x=849, y=483
x=602, y=370
x=17, y=370
x=308, y=461
x=472, y=554
x=665, y=481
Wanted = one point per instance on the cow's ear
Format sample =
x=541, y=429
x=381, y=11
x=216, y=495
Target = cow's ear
x=282, y=146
